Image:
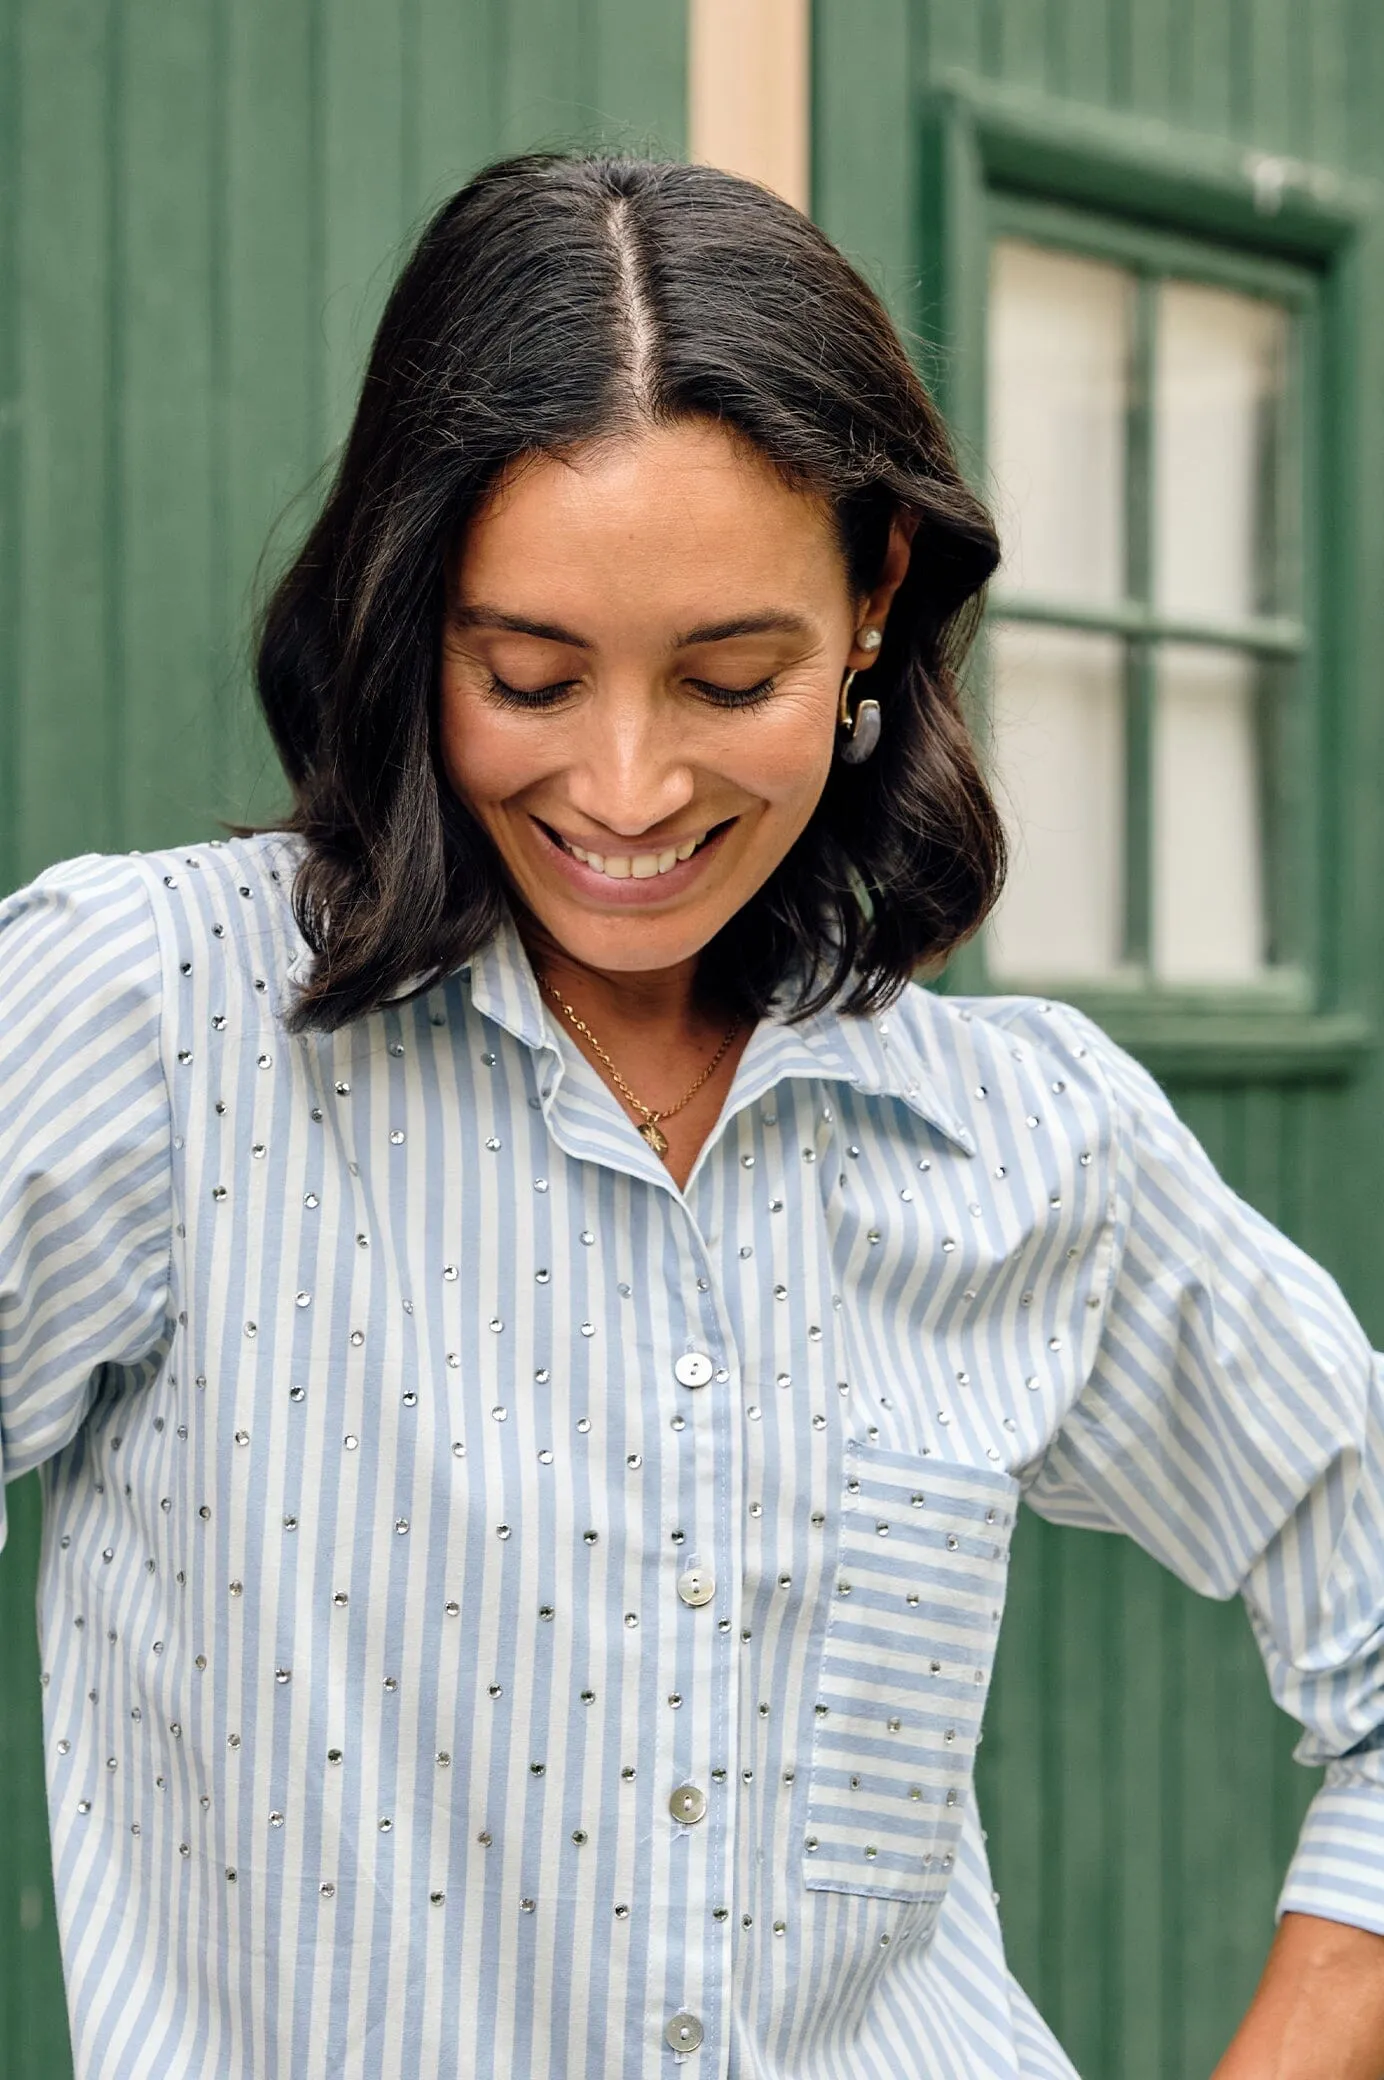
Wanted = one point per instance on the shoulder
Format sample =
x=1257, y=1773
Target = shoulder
x=97, y=885
x=82, y=931
x=112, y=931
x=992, y=1053
x=218, y=891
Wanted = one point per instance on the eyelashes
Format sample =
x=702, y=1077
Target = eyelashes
x=507, y=696
x=735, y=696
x=538, y=698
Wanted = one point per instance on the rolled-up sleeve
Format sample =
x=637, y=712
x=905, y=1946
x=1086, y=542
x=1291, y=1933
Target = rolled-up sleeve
x=85, y=1178
x=1232, y=1422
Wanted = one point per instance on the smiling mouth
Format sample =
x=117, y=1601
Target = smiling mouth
x=636, y=866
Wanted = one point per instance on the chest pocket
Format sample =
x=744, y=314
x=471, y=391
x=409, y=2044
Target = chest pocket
x=906, y=1669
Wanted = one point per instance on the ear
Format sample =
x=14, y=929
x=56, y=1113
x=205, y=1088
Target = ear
x=874, y=610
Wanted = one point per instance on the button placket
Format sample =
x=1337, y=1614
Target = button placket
x=701, y=1810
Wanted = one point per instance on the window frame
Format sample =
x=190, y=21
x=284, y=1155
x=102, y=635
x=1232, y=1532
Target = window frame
x=1151, y=258
x=998, y=161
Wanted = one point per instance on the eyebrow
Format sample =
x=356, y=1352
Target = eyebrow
x=481, y=616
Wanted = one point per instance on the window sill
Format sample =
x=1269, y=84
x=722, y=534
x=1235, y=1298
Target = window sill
x=1224, y=1036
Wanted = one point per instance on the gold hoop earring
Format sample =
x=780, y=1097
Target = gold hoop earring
x=856, y=734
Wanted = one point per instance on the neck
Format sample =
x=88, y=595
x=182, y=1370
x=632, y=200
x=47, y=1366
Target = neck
x=656, y=999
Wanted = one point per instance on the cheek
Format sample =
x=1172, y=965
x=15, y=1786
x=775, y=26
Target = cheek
x=487, y=756
x=788, y=757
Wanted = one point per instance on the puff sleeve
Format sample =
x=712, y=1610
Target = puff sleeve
x=85, y=1150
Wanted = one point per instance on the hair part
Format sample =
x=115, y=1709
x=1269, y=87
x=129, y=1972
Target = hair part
x=557, y=300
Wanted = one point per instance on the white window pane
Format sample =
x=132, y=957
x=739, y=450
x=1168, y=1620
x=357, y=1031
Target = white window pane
x=1058, y=381
x=1058, y=720
x=1208, y=893
x=1219, y=378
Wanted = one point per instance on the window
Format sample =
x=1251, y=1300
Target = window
x=1144, y=427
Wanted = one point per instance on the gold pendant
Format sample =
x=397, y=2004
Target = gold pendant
x=658, y=1142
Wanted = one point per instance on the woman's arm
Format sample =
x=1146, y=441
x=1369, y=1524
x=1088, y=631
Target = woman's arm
x=1318, y=2013
x=1232, y=1422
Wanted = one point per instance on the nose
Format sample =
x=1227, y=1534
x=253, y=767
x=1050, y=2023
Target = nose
x=632, y=774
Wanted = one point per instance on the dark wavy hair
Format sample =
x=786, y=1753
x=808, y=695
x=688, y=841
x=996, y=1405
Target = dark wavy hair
x=552, y=300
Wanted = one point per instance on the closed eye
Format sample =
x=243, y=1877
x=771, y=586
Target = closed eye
x=735, y=696
x=551, y=696
x=528, y=697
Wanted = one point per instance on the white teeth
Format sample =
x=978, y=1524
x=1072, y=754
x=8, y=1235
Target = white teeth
x=636, y=866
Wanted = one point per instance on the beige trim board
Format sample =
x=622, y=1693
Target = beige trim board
x=748, y=88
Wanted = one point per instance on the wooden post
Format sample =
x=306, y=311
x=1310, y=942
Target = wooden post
x=748, y=91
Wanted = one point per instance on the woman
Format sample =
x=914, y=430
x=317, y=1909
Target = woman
x=535, y=1329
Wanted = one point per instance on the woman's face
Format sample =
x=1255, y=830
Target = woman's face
x=639, y=682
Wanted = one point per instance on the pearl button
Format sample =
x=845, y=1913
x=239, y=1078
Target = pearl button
x=688, y=1804
x=693, y=1369
x=697, y=1586
x=683, y=2033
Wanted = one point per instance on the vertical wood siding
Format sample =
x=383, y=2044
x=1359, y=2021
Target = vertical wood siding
x=1136, y=1780
x=200, y=211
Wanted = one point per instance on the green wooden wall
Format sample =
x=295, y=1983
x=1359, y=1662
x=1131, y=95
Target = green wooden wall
x=1135, y=1779
x=200, y=206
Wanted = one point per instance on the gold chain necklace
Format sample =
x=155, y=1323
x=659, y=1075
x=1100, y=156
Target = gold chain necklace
x=648, y=1126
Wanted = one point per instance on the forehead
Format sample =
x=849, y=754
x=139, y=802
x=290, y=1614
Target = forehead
x=686, y=506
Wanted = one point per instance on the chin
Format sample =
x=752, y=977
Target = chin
x=627, y=944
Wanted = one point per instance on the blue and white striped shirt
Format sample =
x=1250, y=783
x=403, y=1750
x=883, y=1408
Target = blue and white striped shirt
x=502, y=1615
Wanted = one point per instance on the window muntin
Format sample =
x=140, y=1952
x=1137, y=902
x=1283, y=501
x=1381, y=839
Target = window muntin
x=1142, y=453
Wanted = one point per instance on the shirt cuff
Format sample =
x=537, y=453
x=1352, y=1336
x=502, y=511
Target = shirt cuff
x=1338, y=1870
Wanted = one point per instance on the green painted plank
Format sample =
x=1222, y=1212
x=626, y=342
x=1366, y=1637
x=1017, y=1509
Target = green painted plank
x=955, y=31
x=1272, y=84
x=1204, y=1111
x=1079, y=1785
x=1140, y=1908
x=1208, y=97
x=639, y=71
x=33, y=2008
x=1023, y=44
x=1087, y=56
x=547, y=82
x=361, y=190
x=1149, y=32
x=164, y=570
x=1363, y=37
x=454, y=106
x=1323, y=60
x=1176, y=1785
x=864, y=166
x=268, y=331
x=64, y=803
x=1205, y=1835
x=1262, y=1178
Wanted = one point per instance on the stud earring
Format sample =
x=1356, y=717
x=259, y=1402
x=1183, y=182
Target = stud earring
x=858, y=733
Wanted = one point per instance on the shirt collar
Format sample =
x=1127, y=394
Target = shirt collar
x=505, y=988
x=899, y=1053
